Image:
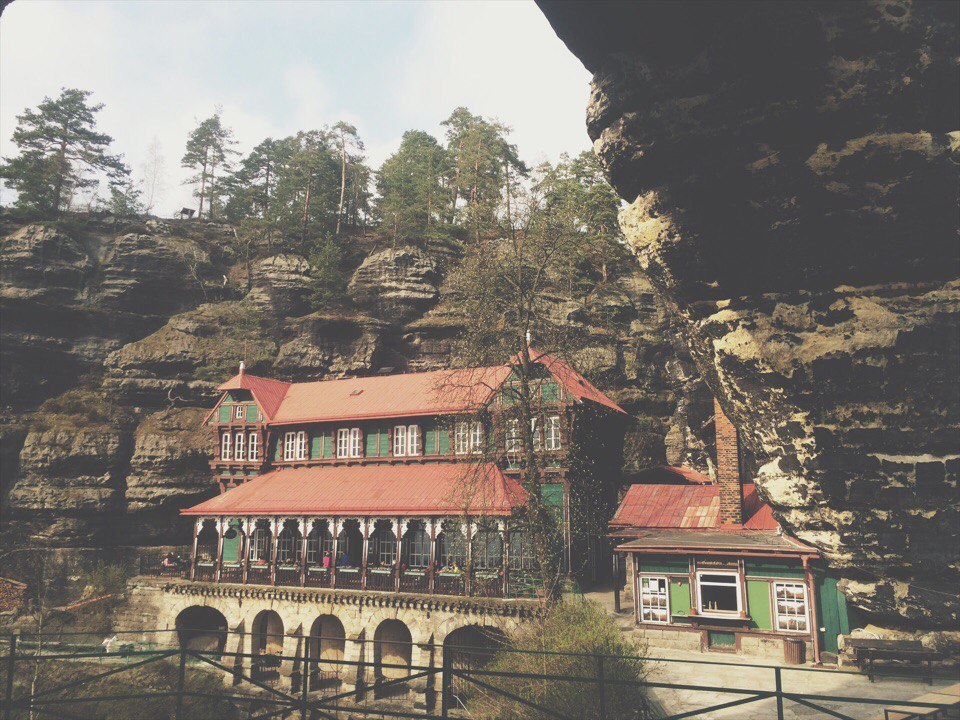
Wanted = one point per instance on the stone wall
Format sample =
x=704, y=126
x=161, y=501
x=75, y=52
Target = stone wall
x=791, y=174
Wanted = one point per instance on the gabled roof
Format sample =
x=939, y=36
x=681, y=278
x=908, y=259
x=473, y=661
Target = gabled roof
x=372, y=490
x=268, y=393
x=573, y=382
x=687, y=506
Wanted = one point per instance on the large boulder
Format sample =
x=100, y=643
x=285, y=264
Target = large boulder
x=330, y=345
x=791, y=170
x=396, y=284
x=281, y=284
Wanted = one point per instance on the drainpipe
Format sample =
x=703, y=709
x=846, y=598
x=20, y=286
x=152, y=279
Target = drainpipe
x=814, y=624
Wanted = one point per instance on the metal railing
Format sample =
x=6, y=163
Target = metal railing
x=310, y=687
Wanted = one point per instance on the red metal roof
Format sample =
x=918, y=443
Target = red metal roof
x=669, y=475
x=372, y=490
x=687, y=506
x=573, y=382
x=268, y=393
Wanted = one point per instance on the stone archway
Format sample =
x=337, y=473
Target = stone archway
x=327, y=642
x=471, y=647
x=201, y=628
x=267, y=645
x=392, y=655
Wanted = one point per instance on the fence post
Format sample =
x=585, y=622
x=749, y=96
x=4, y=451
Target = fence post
x=11, y=668
x=181, y=683
x=602, y=704
x=779, y=694
x=445, y=683
x=305, y=678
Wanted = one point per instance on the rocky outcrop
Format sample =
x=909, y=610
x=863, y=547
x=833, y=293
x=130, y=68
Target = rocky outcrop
x=396, y=284
x=280, y=284
x=791, y=170
x=331, y=345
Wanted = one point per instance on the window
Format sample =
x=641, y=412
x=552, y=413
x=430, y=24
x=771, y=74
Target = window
x=289, y=546
x=343, y=443
x=461, y=444
x=718, y=592
x=513, y=436
x=260, y=545
x=416, y=546
x=406, y=440
x=290, y=446
x=239, y=452
x=552, y=431
x=413, y=440
x=238, y=412
x=535, y=433
x=319, y=544
x=254, y=447
x=791, y=606
x=653, y=599
x=476, y=437
x=382, y=547
x=487, y=550
x=521, y=551
x=225, y=446
x=302, y=445
x=356, y=443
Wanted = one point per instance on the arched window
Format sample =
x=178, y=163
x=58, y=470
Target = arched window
x=319, y=544
x=350, y=544
x=416, y=545
x=289, y=544
x=260, y=542
x=521, y=551
x=207, y=540
x=451, y=545
x=383, y=544
x=487, y=549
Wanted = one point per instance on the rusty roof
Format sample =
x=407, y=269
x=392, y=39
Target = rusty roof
x=687, y=507
x=715, y=539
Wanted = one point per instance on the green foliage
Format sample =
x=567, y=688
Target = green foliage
x=328, y=286
x=125, y=198
x=104, y=580
x=209, y=148
x=61, y=152
x=584, y=630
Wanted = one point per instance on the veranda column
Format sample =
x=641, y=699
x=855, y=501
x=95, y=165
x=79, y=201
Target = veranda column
x=274, y=532
x=401, y=529
x=197, y=525
x=366, y=542
x=433, y=554
x=468, y=529
x=221, y=529
x=505, y=554
x=304, y=524
x=334, y=525
x=248, y=526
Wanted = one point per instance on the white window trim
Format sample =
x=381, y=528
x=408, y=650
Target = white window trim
x=400, y=441
x=238, y=412
x=356, y=443
x=225, y=443
x=289, y=446
x=535, y=433
x=666, y=583
x=413, y=440
x=720, y=613
x=239, y=447
x=552, y=439
x=301, y=445
x=343, y=442
x=806, y=607
x=461, y=439
x=513, y=440
x=476, y=437
x=253, y=447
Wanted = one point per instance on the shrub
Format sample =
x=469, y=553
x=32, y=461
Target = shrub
x=583, y=630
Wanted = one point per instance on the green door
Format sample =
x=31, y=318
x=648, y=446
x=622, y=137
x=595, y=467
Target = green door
x=231, y=542
x=833, y=613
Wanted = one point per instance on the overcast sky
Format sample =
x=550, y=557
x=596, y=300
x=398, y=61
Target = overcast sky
x=278, y=67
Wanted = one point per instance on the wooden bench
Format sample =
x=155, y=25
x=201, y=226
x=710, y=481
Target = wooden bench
x=907, y=653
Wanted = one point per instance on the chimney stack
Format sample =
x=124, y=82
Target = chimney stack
x=242, y=368
x=728, y=468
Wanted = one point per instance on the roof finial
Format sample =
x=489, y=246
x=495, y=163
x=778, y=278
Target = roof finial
x=241, y=368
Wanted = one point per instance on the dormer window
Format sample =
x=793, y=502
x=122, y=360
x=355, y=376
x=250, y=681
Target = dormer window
x=406, y=440
x=225, y=446
x=468, y=438
x=295, y=446
x=238, y=412
x=254, y=448
x=349, y=443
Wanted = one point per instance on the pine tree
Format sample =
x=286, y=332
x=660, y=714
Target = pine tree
x=125, y=199
x=61, y=152
x=209, y=147
x=350, y=146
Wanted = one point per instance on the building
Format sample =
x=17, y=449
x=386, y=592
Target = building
x=710, y=568
x=340, y=495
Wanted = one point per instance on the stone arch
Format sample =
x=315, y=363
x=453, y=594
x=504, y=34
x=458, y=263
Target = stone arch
x=393, y=646
x=327, y=641
x=200, y=627
x=267, y=645
x=470, y=647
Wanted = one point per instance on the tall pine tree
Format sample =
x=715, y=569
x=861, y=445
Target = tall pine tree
x=209, y=148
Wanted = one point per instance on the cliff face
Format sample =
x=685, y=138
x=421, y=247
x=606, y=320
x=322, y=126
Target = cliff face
x=115, y=334
x=791, y=170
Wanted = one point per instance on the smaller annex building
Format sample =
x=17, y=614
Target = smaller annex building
x=710, y=568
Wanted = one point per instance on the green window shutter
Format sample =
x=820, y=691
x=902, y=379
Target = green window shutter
x=552, y=496
x=316, y=446
x=680, y=600
x=384, y=442
x=373, y=443
x=229, y=398
x=223, y=414
x=443, y=441
x=231, y=546
x=758, y=604
x=327, y=445
x=278, y=449
x=252, y=412
x=550, y=392
x=430, y=441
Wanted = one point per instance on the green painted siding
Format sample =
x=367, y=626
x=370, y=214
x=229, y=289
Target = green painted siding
x=316, y=446
x=759, y=568
x=229, y=398
x=278, y=450
x=430, y=441
x=223, y=414
x=384, y=442
x=663, y=565
x=231, y=546
x=550, y=392
x=680, y=600
x=833, y=612
x=252, y=413
x=758, y=604
x=552, y=495
x=443, y=441
x=716, y=638
x=373, y=443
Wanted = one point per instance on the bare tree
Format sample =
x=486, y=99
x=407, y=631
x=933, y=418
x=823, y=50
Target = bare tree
x=154, y=173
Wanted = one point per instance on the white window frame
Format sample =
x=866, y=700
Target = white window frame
x=476, y=437
x=513, y=442
x=238, y=412
x=400, y=441
x=535, y=434
x=356, y=443
x=738, y=586
x=239, y=449
x=803, y=616
x=289, y=446
x=461, y=438
x=343, y=442
x=301, y=445
x=225, y=441
x=552, y=439
x=413, y=440
x=665, y=595
x=253, y=447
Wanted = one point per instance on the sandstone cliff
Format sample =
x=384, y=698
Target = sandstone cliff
x=791, y=170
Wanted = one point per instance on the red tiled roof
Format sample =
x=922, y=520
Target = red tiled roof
x=368, y=490
x=669, y=475
x=268, y=393
x=427, y=393
x=573, y=382
x=687, y=506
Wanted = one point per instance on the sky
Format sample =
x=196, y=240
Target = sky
x=278, y=67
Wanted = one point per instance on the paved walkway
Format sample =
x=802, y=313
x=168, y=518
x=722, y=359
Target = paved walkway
x=738, y=675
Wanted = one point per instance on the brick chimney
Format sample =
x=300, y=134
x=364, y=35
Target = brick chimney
x=728, y=468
